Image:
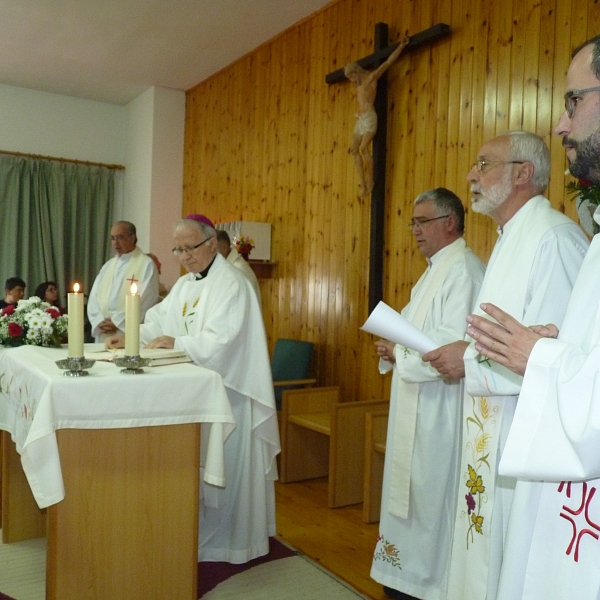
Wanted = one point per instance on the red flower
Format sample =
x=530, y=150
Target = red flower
x=8, y=310
x=53, y=312
x=585, y=183
x=14, y=329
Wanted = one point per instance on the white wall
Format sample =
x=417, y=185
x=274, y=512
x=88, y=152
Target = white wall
x=35, y=122
x=154, y=182
x=146, y=136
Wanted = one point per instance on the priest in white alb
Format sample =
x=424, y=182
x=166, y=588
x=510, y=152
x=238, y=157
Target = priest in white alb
x=553, y=549
x=423, y=440
x=106, y=303
x=212, y=314
x=530, y=274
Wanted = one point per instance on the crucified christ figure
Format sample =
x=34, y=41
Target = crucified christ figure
x=366, y=117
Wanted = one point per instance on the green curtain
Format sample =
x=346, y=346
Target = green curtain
x=55, y=219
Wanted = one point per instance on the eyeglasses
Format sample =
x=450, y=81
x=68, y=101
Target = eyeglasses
x=421, y=222
x=482, y=164
x=190, y=249
x=572, y=97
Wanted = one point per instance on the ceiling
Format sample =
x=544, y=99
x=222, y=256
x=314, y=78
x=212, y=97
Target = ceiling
x=113, y=50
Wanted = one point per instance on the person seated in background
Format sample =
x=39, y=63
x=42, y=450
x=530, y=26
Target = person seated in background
x=48, y=292
x=14, y=290
x=236, y=259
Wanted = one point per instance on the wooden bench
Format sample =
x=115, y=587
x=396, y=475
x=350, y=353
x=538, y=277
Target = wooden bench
x=321, y=436
x=376, y=424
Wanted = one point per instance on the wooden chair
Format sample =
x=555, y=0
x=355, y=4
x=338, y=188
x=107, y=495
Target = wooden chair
x=376, y=424
x=321, y=436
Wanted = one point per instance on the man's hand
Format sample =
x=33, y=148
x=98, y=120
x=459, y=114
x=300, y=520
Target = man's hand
x=107, y=326
x=115, y=341
x=385, y=350
x=448, y=359
x=163, y=341
x=507, y=342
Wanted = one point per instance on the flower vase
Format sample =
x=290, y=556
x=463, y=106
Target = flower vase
x=245, y=255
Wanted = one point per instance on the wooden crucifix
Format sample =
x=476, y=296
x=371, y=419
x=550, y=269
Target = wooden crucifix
x=373, y=61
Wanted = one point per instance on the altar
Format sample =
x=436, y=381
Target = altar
x=115, y=461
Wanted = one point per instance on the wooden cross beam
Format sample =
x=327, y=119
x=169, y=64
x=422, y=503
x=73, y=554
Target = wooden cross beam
x=382, y=51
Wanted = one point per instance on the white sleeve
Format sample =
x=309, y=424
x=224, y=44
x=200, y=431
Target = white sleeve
x=94, y=313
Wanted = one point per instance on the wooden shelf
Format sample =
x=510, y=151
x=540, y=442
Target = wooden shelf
x=263, y=269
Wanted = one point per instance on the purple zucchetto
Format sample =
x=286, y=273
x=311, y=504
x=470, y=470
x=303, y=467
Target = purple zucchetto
x=201, y=219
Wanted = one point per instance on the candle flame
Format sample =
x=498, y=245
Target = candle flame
x=133, y=289
x=76, y=287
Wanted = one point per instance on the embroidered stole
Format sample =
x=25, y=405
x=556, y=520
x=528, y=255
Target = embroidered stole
x=407, y=394
x=135, y=268
x=487, y=417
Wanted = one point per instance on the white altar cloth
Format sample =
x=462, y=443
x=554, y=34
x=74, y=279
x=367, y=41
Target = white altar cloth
x=36, y=400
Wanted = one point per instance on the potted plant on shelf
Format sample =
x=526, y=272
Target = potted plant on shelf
x=244, y=245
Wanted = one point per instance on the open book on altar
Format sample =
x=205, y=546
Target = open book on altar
x=157, y=356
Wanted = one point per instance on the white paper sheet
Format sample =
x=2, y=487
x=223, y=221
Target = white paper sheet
x=385, y=322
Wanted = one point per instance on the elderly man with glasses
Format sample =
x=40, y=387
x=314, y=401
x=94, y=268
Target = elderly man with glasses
x=212, y=313
x=553, y=448
x=423, y=440
x=530, y=275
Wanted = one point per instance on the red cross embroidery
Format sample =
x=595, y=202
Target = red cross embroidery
x=586, y=500
x=132, y=279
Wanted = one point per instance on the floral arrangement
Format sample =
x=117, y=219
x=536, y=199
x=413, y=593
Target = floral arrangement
x=32, y=322
x=244, y=244
x=587, y=196
x=583, y=190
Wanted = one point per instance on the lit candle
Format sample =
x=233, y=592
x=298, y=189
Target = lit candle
x=75, y=329
x=132, y=323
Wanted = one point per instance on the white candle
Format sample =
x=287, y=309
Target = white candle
x=132, y=323
x=75, y=329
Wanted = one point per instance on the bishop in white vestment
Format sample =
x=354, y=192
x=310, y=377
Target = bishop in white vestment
x=530, y=274
x=213, y=315
x=106, y=302
x=423, y=439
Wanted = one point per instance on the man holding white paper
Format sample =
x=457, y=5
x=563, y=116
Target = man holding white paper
x=530, y=274
x=422, y=458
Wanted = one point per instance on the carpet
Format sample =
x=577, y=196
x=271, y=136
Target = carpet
x=210, y=574
x=282, y=573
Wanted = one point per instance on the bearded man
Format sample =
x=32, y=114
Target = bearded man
x=530, y=274
x=553, y=543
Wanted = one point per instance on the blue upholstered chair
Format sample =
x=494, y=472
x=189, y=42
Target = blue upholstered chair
x=290, y=366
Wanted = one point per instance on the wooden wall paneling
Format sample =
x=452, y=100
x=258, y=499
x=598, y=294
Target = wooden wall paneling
x=515, y=112
x=318, y=140
x=531, y=41
x=341, y=116
x=546, y=93
x=453, y=182
x=354, y=267
x=441, y=58
x=266, y=138
x=563, y=45
x=480, y=60
x=282, y=217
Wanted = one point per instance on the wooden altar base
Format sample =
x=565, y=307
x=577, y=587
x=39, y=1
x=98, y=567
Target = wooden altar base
x=128, y=526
